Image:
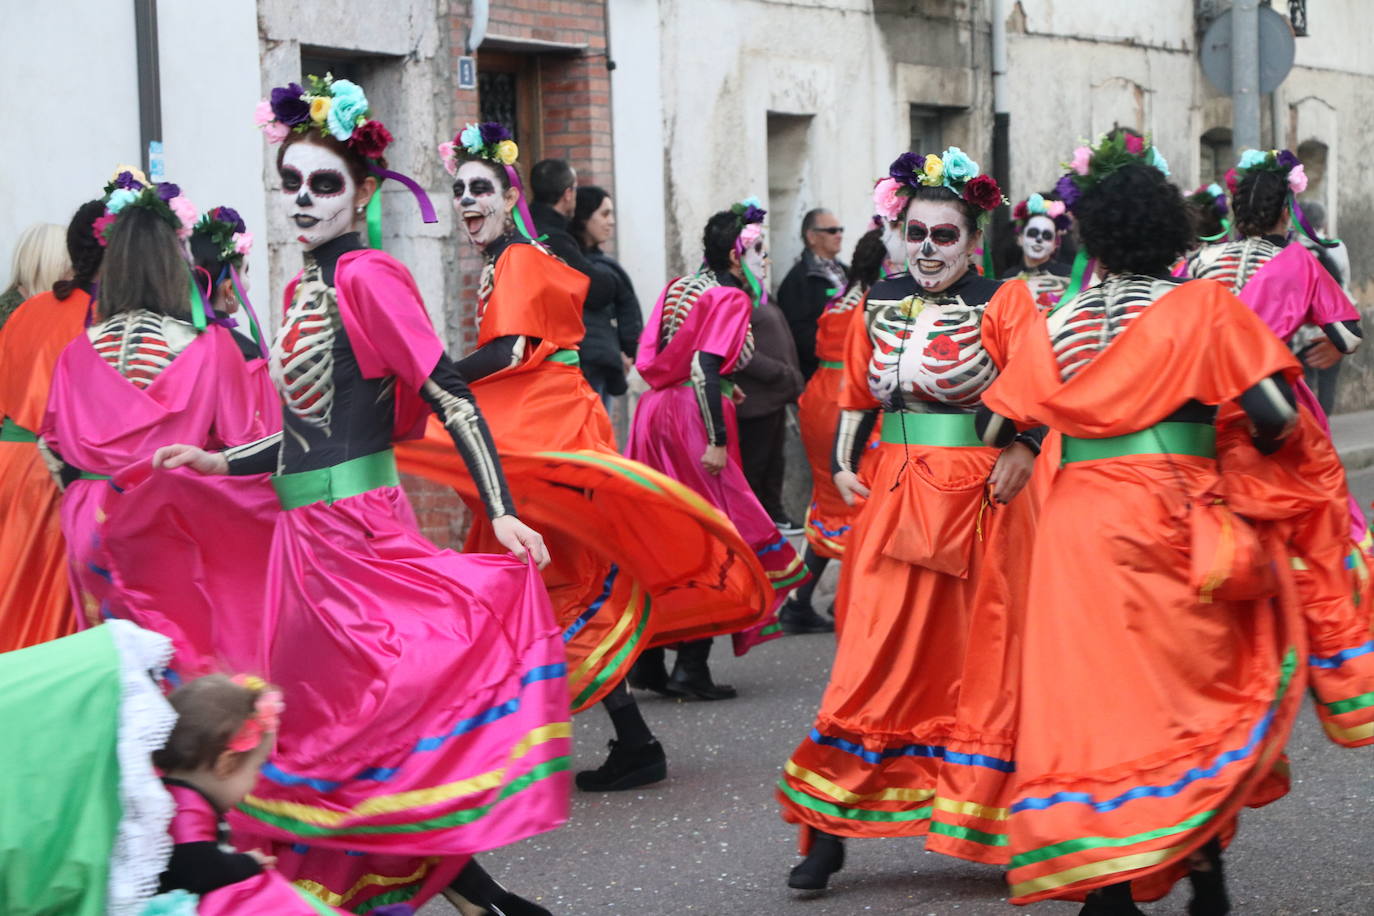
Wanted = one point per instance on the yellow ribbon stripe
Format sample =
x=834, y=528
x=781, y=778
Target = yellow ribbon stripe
x=817, y=781
x=626, y=619
x=791, y=570
x=971, y=809
x=1093, y=870
x=315, y=889
x=418, y=798
x=1358, y=733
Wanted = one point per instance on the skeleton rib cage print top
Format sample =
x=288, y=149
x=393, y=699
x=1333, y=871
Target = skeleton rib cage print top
x=332, y=413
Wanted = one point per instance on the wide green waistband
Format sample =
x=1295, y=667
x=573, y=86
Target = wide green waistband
x=567, y=357
x=942, y=430
x=831, y=364
x=87, y=475
x=1198, y=439
x=11, y=431
x=328, y=485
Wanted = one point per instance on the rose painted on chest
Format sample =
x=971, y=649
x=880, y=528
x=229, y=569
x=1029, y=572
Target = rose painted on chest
x=942, y=348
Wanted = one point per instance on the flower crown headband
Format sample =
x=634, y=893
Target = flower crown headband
x=750, y=214
x=129, y=187
x=951, y=169
x=492, y=142
x=1091, y=164
x=339, y=108
x=266, y=717
x=1286, y=163
x=233, y=242
x=1037, y=205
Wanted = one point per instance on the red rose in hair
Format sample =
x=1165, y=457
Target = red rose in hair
x=982, y=191
x=370, y=139
x=1232, y=180
x=942, y=348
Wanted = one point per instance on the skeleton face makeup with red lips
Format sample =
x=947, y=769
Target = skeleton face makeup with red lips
x=479, y=203
x=937, y=243
x=318, y=193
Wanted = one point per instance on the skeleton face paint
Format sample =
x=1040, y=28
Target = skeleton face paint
x=1038, y=240
x=479, y=203
x=937, y=243
x=317, y=192
x=895, y=245
x=755, y=257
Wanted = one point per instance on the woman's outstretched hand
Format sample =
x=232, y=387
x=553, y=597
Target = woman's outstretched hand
x=197, y=459
x=1011, y=472
x=520, y=539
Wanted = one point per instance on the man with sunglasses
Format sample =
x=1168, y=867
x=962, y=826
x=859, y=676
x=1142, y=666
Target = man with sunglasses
x=816, y=278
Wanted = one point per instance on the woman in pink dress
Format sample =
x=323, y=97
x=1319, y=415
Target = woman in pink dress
x=427, y=712
x=684, y=425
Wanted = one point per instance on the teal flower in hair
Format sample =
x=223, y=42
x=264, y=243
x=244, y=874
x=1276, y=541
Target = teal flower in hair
x=120, y=198
x=1156, y=159
x=959, y=168
x=348, y=106
x=1251, y=158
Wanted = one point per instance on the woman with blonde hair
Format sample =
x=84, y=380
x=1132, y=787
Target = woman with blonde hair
x=40, y=260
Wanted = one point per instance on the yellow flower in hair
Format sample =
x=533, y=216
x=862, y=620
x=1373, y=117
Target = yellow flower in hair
x=934, y=170
x=133, y=170
x=319, y=108
x=507, y=152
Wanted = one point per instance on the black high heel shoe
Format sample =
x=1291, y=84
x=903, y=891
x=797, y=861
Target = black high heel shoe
x=1209, y=884
x=825, y=858
x=476, y=893
x=1112, y=900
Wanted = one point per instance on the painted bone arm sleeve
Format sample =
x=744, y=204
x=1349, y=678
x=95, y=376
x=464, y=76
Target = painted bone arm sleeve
x=706, y=386
x=501, y=353
x=851, y=435
x=1345, y=336
x=451, y=399
x=1272, y=409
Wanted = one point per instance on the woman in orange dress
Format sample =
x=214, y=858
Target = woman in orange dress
x=916, y=731
x=35, y=605
x=1161, y=652
x=829, y=517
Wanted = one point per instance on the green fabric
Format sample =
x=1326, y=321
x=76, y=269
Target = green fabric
x=61, y=714
x=11, y=431
x=567, y=357
x=940, y=430
x=1045, y=853
x=831, y=364
x=87, y=475
x=1077, y=277
x=727, y=388
x=1198, y=439
x=1225, y=231
x=198, y=318
x=331, y=484
x=854, y=814
x=374, y=220
x=1363, y=701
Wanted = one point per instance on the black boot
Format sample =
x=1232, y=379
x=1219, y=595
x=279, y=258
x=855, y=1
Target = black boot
x=1209, y=883
x=649, y=672
x=826, y=857
x=1112, y=900
x=797, y=618
x=692, y=676
x=475, y=891
x=626, y=768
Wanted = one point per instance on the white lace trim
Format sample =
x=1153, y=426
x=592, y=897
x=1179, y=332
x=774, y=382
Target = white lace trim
x=143, y=844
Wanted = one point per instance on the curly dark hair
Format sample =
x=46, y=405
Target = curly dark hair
x=946, y=195
x=867, y=259
x=1133, y=221
x=1259, y=201
x=719, y=239
x=1203, y=214
x=85, y=250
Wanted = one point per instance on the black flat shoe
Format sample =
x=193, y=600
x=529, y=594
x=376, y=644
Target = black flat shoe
x=626, y=768
x=698, y=685
x=797, y=619
x=1209, y=884
x=1112, y=900
x=813, y=873
x=650, y=673
x=476, y=893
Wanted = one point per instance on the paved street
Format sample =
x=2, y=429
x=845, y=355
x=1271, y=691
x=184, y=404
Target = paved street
x=709, y=839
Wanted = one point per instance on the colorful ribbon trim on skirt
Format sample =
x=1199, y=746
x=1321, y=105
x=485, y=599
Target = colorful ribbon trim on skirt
x=340, y=481
x=1199, y=439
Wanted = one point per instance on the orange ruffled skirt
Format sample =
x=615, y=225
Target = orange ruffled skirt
x=35, y=602
x=916, y=731
x=828, y=518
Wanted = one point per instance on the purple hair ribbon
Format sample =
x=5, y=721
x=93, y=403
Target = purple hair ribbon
x=374, y=206
x=523, y=220
x=1300, y=219
x=253, y=323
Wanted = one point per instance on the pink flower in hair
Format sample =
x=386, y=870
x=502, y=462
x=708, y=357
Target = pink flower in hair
x=887, y=203
x=1081, y=157
x=1297, y=179
x=1054, y=209
x=262, y=115
x=448, y=153
x=243, y=242
x=186, y=213
x=101, y=225
x=1134, y=144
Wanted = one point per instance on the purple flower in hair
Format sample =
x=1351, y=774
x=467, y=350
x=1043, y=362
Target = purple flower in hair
x=230, y=216
x=1068, y=191
x=288, y=106
x=906, y=167
x=127, y=180
x=494, y=132
x=753, y=214
x=166, y=191
x=1286, y=160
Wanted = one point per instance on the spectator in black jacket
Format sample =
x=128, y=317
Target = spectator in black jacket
x=816, y=278
x=608, y=350
x=553, y=184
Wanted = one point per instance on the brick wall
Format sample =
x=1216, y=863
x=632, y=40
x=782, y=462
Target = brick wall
x=574, y=122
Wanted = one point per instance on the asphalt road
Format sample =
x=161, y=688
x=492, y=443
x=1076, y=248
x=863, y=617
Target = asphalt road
x=709, y=840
